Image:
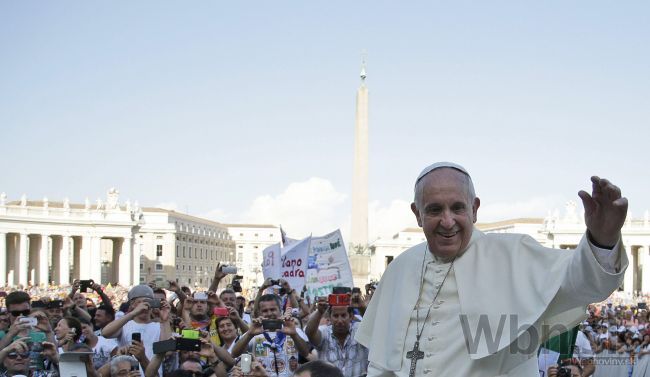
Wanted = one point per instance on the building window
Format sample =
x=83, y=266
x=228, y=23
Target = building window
x=183, y=267
x=240, y=246
x=159, y=267
x=189, y=281
x=177, y=251
x=159, y=250
x=159, y=237
x=183, y=251
x=177, y=267
x=142, y=266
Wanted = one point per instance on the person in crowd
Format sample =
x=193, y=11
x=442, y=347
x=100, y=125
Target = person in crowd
x=68, y=332
x=273, y=347
x=229, y=298
x=104, y=315
x=124, y=366
x=335, y=343
x=318, y=368
x=101, y=347
x=138, y=321
x=227, y=333
x=575, y=370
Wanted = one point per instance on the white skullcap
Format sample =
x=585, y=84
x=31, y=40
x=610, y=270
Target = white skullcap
x=439, y=165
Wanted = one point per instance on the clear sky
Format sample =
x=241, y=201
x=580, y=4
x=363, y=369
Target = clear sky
x=244, y=110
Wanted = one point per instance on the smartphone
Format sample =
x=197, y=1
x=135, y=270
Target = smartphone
x=200, y=296
x=183, y=344
x=221, y=312
x=229, y=269
x=246, y=360
x=37, y=337
x=339, y=299
x=85, y=284
x=28, y=320
x=272, y=324
x=136, y=336
x=356, y=290
x=154, y=303
x=190, y=334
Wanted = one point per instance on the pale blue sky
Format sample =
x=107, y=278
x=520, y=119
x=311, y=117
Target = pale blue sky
x=219, y=107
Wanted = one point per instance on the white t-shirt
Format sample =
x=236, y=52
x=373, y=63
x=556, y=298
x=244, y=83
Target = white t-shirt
x=285, y=359
x=103, y=350
x=149, y=333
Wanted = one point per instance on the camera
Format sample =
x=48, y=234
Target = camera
x=275, y=282
x=154, y=303
x=236, y=284
x=190, y=334
x=136, y=336
x=563, y=372
x=55, y=304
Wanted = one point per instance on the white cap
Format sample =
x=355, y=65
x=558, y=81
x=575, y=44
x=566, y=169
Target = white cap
x=439, y=165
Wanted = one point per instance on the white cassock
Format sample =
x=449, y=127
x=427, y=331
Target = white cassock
x=505, y=286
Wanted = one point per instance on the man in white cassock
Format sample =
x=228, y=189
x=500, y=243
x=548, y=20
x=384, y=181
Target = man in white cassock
x=470, y=304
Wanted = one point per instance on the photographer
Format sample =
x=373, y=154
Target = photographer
x=335, y=343
x=273, y=339
x=138, y=321
x=288, y=296
x=229, y=299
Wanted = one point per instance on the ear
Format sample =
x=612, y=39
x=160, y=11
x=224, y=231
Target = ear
x=416, y=213
x=475, y=205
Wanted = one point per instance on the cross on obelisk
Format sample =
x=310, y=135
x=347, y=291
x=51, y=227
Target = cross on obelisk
x=414, y=355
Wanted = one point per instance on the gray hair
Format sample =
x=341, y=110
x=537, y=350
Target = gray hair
x=117, y=360
x=419, y=187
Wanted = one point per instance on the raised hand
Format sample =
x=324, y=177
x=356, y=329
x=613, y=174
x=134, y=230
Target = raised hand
x=605, y=211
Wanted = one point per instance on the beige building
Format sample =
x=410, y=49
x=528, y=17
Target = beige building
x=45, y=242
x=180, y=247
x=250, y=240
x=554, y=231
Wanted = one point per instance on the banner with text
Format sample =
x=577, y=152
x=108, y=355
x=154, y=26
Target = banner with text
x=293, y=263
x=328, y=265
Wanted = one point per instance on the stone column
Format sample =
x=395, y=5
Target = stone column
x=22, y=260
x=628, y=280
x=43, y=261
x=135, y=263
x=96, y=259
x=84, y=258
x=64, y=261
x=644, y=257
x=3, y=259
x=125, y=263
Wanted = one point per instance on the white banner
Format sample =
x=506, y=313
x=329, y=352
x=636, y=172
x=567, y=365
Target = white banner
x=328, y=265
x=293, y=266
x=271, y=261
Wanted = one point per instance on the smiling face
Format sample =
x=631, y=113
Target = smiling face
x=226, y=329
x=270, y=309
x=61, y=329
x=446, y=211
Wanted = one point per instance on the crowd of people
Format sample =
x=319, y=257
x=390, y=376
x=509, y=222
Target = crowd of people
x=148, y=330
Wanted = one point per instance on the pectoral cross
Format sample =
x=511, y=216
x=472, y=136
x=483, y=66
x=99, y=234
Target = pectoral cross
x=415, y=354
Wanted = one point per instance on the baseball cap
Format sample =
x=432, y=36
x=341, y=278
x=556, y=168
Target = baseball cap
x=141, y=290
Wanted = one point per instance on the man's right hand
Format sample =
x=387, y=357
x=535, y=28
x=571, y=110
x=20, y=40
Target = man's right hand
x=173, y=286
x=141, y=308
x=218, y=274
x=76, y=284
x=256, y=326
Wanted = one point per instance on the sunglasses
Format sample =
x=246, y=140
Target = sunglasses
x=14, y=355
x=18, y=313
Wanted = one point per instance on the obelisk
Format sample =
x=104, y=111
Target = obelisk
x=359, y=235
